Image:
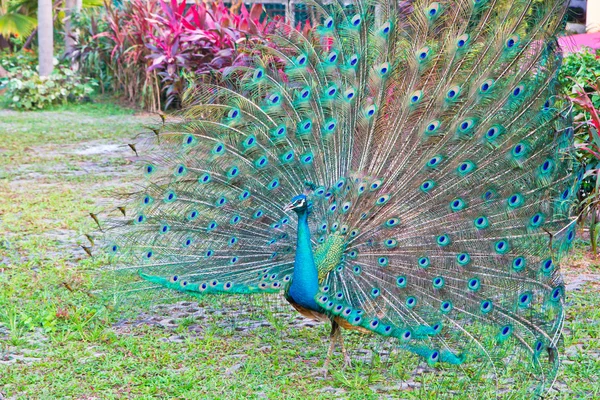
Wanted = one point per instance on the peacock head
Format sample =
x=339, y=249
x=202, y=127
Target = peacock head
x=298, y=204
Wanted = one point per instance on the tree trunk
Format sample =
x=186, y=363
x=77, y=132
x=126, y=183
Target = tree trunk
x=45, y=37
x=70, y=9
x=30, y=38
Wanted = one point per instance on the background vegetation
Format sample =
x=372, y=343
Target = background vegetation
x=146, y=52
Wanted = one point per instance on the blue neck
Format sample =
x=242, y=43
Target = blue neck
x=305, y=282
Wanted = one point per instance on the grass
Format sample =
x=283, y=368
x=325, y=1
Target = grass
x=57, y=341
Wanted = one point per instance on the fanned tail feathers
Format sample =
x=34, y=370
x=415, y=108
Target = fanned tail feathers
x=432, y=141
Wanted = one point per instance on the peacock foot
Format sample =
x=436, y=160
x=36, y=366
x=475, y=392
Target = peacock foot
x=323, y=372
x=347, y=361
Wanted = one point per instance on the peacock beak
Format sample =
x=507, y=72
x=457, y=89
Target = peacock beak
x=289, y=207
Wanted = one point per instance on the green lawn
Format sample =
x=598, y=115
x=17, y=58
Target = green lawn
x=58, y=341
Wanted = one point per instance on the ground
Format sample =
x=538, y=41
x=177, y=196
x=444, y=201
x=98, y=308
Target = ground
x=57, y=340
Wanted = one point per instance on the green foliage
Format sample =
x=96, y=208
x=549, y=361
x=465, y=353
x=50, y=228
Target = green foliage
x=14, y=62
x=21, y=59
x=580, y=79
x=16, y=24
x=579, y=69
x=92, y=49
x=26, y=90
x=15, y=20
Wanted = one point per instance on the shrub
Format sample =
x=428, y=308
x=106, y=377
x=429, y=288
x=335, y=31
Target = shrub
x=587, y=144
x=13, y=62
x=22, y=59
x=150, y=51
x=579, y=69
x=26, y=90
x=580, y=79
x=92, y=52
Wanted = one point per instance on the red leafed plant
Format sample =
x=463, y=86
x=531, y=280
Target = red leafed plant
x=159, y=48
x=586, y=101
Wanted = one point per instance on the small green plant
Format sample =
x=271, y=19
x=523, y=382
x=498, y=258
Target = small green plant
x=578, y=69
x=13, y=62
x=17, y=60
x=26, y=90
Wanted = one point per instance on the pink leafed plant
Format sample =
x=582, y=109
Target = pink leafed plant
x=161, y=47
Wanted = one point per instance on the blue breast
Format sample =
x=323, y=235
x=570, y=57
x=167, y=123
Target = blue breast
x=305, y=281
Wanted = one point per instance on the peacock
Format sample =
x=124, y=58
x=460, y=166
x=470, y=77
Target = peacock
x=404, y=169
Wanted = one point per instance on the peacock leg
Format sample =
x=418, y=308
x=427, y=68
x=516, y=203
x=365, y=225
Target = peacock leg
x=347, y=360
x=335, y=333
